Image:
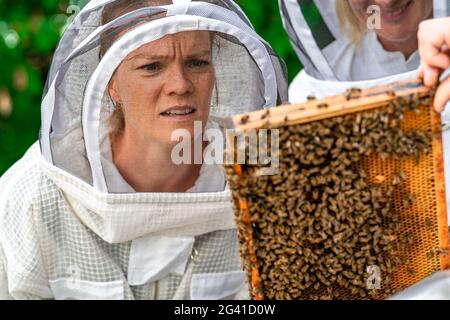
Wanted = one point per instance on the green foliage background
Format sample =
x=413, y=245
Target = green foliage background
x=29, y=33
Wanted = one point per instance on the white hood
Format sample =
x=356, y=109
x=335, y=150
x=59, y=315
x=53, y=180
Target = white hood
x=75, y=106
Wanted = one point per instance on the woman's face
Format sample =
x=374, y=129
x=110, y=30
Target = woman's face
x=165, y=85
x=399, y=18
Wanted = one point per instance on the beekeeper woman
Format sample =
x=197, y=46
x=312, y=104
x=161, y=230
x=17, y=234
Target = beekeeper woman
x=97, y=209
x=354, y=43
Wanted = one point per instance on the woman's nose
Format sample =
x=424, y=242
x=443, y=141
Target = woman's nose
x=178, y=82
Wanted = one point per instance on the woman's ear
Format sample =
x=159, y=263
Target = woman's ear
x=112, y=90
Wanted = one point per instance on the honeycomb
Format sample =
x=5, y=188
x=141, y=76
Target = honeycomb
x=357, y=210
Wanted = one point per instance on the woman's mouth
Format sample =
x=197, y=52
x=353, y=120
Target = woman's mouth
x=179, y=113
x=396, y=13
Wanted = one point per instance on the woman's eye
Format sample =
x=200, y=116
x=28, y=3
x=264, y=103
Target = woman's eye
x=152, y=67
x=197, y=63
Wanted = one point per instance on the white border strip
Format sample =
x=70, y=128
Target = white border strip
x=47, y=110
x=305, y=36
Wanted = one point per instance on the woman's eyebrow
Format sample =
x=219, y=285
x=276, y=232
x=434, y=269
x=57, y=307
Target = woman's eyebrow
x=163, y=56
x=199, y=53
x=148, y=56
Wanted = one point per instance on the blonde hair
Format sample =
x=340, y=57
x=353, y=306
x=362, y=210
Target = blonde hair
x=349, y=22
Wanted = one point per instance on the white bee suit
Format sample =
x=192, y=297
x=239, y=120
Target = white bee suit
x=71, y=227
x=332, y=65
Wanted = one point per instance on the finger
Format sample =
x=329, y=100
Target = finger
x=430, y=76
x=429, y=46
x=432, y=40
x=442, y=95
x=441, y=60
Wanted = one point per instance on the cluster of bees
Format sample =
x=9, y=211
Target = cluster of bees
x=312, y=231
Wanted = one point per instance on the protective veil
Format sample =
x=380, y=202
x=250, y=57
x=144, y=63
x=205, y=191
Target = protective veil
x=70, y=226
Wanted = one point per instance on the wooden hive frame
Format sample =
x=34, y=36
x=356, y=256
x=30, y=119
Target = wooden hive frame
x=354, y=101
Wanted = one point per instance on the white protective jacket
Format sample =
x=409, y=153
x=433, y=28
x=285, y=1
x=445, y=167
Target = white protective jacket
x=70, y=225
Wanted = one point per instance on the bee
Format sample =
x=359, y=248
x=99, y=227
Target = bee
x=408, y=200
x=265, y=114
x=244, y=119
x=353, y=93
x=411, y=272
x=398, y=178
x=429, y=223
x=391, y=93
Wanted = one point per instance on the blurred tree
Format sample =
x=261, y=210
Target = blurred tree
x=266, y=19
x=29, y=33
